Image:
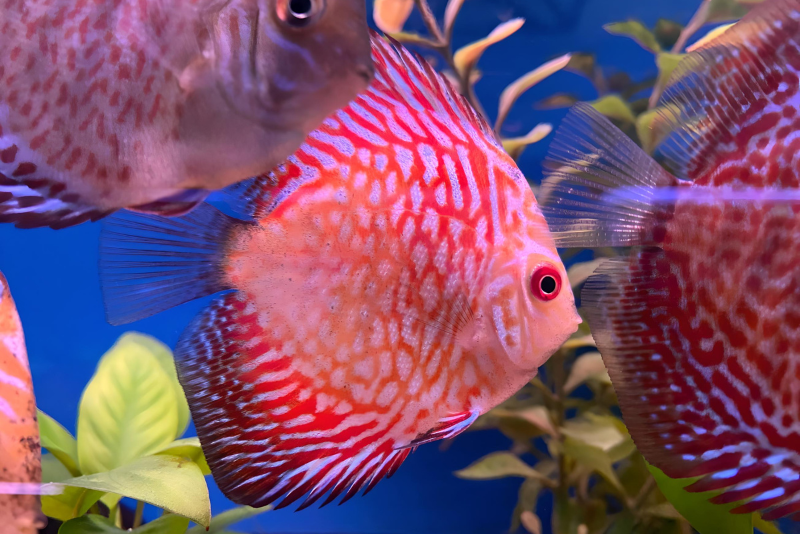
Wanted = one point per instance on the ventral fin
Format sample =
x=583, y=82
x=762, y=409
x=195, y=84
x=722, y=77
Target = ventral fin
x=447, y=428
x=590, y=160
x=732, y=103
x=269, y=432
x=673, y=383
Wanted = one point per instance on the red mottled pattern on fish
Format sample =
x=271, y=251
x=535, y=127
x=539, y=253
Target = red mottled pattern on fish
x=150, y=104
x=359, y=295
x=99, y=57
x=700, y=329
x=388, y=292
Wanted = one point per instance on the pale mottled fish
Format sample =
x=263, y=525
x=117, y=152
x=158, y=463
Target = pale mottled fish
x=393, y=281
x=20, y=452
x=700, y=325
x=149, y=104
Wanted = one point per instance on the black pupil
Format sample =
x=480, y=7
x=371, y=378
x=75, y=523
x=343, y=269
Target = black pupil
x=300, y=8
x=548, y=285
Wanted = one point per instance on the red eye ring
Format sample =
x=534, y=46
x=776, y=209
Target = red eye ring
x=545, y=283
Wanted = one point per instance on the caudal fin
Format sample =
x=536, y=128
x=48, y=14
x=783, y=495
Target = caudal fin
x=149, y=264
x=591, y=162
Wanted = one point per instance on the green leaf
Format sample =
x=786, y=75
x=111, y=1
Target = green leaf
x=579, y=272
x=498, y=465
x=636, y=31
x=517, y=88
x=59, y=442
x=645, y=130
x=710, y=36
x=169, y=482
x=467, y=57
x=725, y=10
x=705, y=517
x=188, y=448
x=516, y=145
x=129, y=408
x=614, y=107
x=222, y=521
x=667, y=33
x=538, y=416
x=766, y=527
x=53, y=470
x=164, y=356
x=588, y=367
x=73, y=502
x=96, y=524
x=667, y=63
x=594, y=458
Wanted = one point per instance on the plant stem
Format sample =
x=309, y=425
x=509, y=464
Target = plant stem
x=137, y=518
x=698, y=20
x=443, y=46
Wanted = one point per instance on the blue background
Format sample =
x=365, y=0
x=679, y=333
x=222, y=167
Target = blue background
x=53, y=277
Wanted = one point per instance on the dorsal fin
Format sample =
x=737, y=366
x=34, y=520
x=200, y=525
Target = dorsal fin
x=729, y=104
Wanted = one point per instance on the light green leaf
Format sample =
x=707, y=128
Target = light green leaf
x=579, y=272
x=765, y=527
x=588, y=367
x=705, y=517
x=391, y=15
x=636, y=31
x=222, y=521
x=96, y=524
x=516, y=145
x=188, y=448
x=592, y=457
x=517, y=88
x=467, y=57
x=58, y=441
x=498, y=465
x=129, y=409
x=578, y=341
x=645, y=130
x=53, y=470
x=667, y=63
x=713, y=34
x=664, y=509
x=169, y=482
x=614, y=107
x=535, y=415
x=408, y=38
x=725, y=10
x=73, y=502
x=164, y=356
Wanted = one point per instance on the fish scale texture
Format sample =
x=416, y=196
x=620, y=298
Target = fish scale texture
x=96, y=71
x=699, y=324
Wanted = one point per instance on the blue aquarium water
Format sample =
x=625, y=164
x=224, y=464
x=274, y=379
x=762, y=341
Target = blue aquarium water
x=53, y=276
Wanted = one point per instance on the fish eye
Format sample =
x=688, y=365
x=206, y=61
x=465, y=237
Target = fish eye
x=545, y=283
x=299, y=13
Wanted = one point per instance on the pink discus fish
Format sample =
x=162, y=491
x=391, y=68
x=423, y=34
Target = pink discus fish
x=699, y=324
x=394, y=281
x=20, y=452
x=149, y=104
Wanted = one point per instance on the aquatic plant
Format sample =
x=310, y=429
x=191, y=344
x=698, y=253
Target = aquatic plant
x=566, y=432
x=131, y=417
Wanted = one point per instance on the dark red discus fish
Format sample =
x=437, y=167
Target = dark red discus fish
x=699, y=324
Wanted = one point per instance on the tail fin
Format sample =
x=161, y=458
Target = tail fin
x=590, y=159
x=149, y=264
